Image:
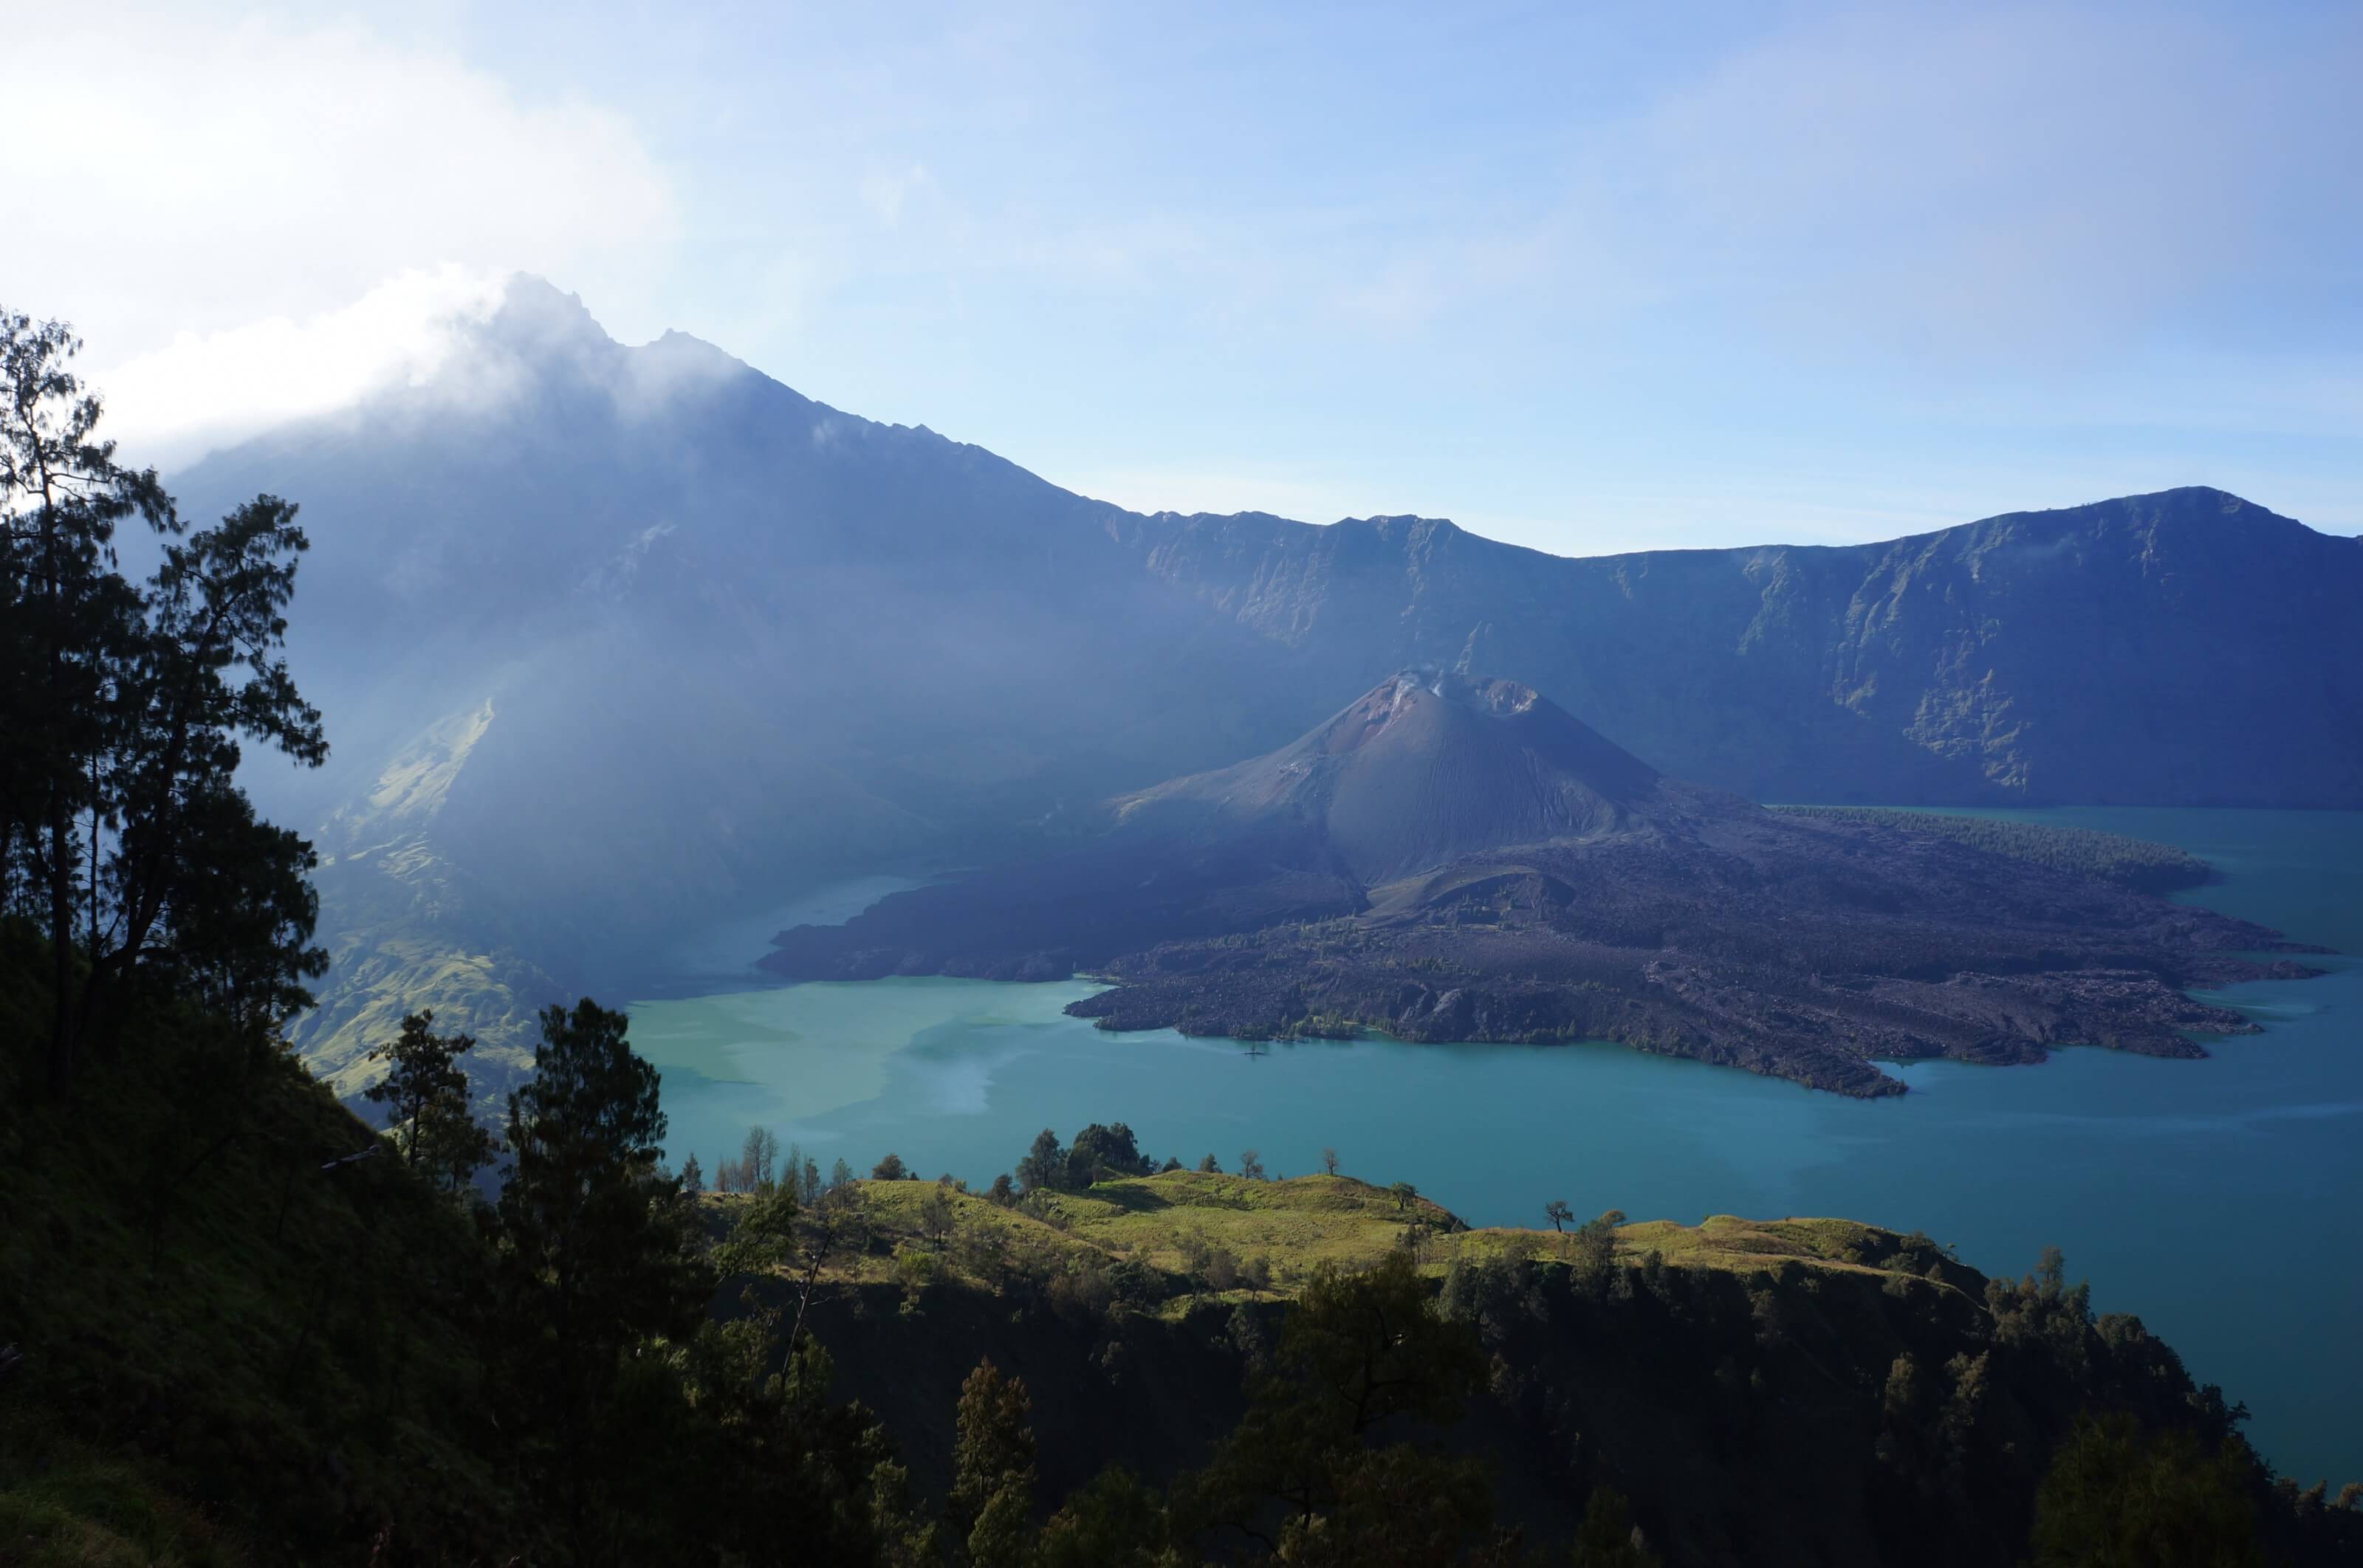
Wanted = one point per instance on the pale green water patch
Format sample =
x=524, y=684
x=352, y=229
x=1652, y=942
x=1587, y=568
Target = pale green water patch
x=790, y=1055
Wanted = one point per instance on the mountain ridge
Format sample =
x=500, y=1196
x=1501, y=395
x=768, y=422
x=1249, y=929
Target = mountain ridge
x=738, y=640
x=1924, y=669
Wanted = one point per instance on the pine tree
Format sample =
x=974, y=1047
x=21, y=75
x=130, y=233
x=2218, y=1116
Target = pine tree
x=594, y=1256
x=993, y=1468
x=2116, y=1497
x=1363, y=1354
x=1044, y=1168
x=122, y=829
x=427, y=1097
x=70, y=627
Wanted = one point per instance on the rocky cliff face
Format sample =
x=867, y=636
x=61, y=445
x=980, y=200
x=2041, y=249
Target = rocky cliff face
x=2187, y=647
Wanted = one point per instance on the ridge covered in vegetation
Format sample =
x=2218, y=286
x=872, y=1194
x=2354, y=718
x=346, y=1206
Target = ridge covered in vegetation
x=1668, y=1371
x=231, y=1341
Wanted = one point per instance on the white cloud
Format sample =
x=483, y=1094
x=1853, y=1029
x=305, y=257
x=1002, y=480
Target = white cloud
x=198, y=187
x=205, y=389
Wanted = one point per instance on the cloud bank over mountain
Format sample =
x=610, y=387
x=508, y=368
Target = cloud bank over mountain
x=269, y=217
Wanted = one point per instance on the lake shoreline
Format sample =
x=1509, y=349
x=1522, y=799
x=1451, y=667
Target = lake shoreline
x=2258, y=1141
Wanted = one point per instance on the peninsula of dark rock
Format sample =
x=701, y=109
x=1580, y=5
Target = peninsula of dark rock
x=1452, y=858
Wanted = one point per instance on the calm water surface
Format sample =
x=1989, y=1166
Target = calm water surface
x=2217, y=1199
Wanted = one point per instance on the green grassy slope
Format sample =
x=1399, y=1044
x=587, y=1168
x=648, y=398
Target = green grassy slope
x=1167, y=1223
x=227, y=1351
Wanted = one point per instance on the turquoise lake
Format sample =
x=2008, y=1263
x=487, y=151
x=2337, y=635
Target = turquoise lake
x=2216, y=1198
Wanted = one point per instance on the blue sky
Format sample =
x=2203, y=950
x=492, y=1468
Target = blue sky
x=1587, y=278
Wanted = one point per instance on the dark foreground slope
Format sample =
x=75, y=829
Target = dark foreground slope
x=223, y=1342
x=1453, y=860
x=232, y=1342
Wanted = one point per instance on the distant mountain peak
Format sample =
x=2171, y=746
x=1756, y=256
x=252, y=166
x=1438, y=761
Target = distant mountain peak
x=540, y=342
x=1405, y=699
x=1427, y=766
x=536, y=315
x=2193, y=505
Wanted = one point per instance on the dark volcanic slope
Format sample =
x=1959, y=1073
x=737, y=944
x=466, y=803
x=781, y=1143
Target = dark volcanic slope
x=1422, y=770
x=1455, y=859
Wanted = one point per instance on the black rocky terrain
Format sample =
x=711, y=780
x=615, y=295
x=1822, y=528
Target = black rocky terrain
x=1458, y=859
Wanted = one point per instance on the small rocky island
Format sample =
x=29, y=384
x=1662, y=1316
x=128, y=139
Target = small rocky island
x=1451, y=858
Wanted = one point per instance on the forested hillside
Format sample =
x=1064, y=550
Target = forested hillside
x=260, y=1334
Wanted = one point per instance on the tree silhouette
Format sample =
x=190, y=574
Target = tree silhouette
x=1361, y=1353
x=2116, y=1497
x=1044, y=1168
x=426, y=1094
x=1101, y=1154
x=759, y=1155
x=993, y=1469
x=594, y=1258
x=122, y=830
